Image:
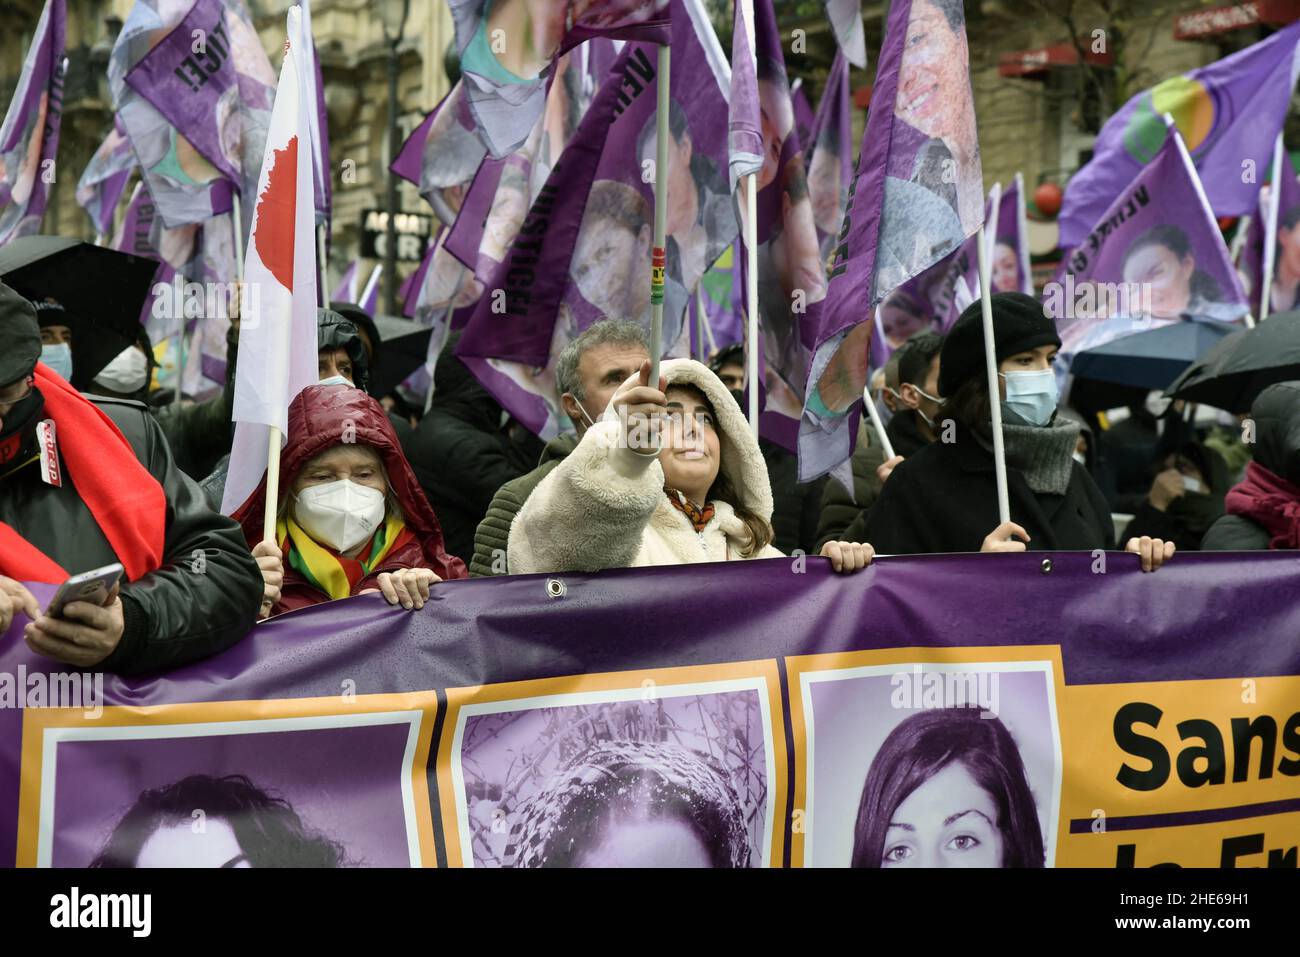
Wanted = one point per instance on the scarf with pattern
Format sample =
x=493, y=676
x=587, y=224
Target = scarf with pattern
x=698, y=517
x=334, y=574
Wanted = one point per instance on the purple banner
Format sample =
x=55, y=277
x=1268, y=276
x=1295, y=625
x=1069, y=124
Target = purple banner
x=495, y=725
x=442, y=155
x=29, y=136
x=830, y=156
x=104, y=181
x=1229, y=114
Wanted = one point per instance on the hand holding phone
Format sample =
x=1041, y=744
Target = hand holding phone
x=92, y=586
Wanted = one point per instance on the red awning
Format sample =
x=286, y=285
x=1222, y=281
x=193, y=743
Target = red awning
x=1200, y=24
x=1038, y=62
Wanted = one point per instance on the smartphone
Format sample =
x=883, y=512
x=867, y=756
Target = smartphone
x=92, y=586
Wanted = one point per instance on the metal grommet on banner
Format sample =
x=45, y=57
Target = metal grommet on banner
x=555, y=588
x=1047, y=566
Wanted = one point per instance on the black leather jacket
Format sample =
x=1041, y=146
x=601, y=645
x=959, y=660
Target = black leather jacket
x=205, y=596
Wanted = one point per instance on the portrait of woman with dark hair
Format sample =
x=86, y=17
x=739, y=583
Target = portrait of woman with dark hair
x=1162, y=260
x=948, y=788
x=205, y=821
x=633, y=804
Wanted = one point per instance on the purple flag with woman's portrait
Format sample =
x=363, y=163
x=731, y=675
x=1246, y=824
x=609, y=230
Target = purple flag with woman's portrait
x=196, y=118
x=830, y=155
x=1154, y=258
x=803, y=112
x=102, y=184
x=583, y=252
x=29, y=136
x=917, y=195
x=507, y=48
x=442, y=155
x=1286, y=256
x=1229, y=113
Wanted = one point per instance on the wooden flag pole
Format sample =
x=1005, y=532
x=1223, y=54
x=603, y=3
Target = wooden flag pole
x=272, y=485
x=237, y=227
x=1270, y=232
x=701, y=351
x=659, y=255
x=991, y=367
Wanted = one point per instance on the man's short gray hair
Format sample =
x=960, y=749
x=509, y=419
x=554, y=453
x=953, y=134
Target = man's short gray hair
x=618, y=332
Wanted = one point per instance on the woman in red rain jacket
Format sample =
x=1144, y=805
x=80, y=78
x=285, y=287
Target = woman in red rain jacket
x=352, y=518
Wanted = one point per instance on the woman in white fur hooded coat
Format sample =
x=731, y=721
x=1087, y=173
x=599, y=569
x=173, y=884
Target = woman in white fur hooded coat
x=667, y=476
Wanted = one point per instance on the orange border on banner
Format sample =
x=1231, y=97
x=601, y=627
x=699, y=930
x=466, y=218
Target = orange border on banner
x=37, y=720
x=797, y=666
x=632, y=681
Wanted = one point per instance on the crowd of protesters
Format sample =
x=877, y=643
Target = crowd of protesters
x=375, y=498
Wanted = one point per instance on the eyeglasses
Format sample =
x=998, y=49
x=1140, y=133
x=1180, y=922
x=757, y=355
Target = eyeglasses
x=14, y=393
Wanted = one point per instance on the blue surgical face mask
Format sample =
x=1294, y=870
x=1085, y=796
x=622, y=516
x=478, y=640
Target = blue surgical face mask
x=59, y=358
x=1031, y=397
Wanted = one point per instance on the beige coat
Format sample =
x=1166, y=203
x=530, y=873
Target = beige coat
x=604, y=506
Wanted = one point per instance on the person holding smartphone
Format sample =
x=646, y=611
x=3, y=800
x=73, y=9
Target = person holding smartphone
x=89, y=482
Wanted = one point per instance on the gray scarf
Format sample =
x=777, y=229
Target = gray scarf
x=1044, y=455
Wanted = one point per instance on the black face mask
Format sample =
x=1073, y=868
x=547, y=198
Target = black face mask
x=739, y=396
x=19, y=425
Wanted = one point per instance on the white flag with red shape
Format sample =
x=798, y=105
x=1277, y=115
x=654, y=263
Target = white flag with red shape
x=277, y=332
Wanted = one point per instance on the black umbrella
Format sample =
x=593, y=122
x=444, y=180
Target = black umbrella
x=1150, y=359
x=402, y=348
x=1236, y=370
x=103, y=291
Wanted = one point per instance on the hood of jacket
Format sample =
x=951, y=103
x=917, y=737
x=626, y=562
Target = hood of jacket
x=1276, y=412
x=336, y=331
x=741, y=458
x=319, y=418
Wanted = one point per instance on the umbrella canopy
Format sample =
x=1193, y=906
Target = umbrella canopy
x=1151, y=359
x=404, y=345
x=1243, y=364
x=102, y=290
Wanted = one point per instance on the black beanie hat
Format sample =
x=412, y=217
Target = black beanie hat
x=20, y=337
x=1019, y=324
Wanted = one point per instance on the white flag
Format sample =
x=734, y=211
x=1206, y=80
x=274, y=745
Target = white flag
x=277, y=332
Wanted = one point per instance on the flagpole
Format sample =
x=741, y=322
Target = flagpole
x=701, y=353
x=237, y=227
x=751, y=297
x=659, y=257
x=876, y=424
x=321, y=263
x=180, y=356
x=1270, y=234
x=991, y=367
x=272, y=485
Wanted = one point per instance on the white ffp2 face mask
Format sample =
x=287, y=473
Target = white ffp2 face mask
x=127, y=373
x=340, y=514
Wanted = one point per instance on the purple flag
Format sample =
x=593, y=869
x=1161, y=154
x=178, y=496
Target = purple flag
x=1155, y=257
x=499, y=196
x=507, y=48
x=933, y=300
x=29, y=136
x=917, y=195
x=196, y=120
x=1229, y=114
x=1286, y=255
x=105, y=179
x=803, y=112
x=846, y=20
x=724, y=300
x=322, y=179
x=442, y=155
x=744, y=119
x=369, y=300
x=444, y=291
x=830, y=156
x=791, y=271
x=583, y=251
x=346, y=290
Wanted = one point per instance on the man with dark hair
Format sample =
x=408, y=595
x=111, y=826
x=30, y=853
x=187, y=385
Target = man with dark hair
x=87, y=482
x=587, y=373
x=916, y=423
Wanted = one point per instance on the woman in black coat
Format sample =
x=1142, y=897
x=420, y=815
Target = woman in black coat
x=944, y=497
